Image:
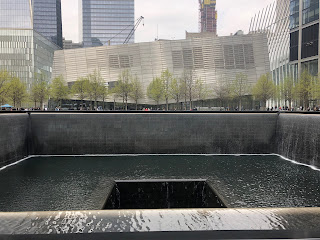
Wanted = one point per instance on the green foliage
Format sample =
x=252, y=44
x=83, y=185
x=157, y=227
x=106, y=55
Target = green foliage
x=5, y=78
x=223, y=92
x=285, y=91
x=96, y=86
x=136, y=90
x=40, y=90
x=166, y=78
x=81, y=88
x=124, y=87
x=59, y=89
x=303, y=88
x=17, y=91
x=187, y=86
x=239, y=88
x=175, y=89
x=264, y=89
x=200, y=90
x=155, y=90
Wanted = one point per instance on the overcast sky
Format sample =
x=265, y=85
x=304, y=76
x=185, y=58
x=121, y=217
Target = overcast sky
x=173, y=17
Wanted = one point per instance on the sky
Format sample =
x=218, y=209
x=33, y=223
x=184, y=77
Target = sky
x=169, y=19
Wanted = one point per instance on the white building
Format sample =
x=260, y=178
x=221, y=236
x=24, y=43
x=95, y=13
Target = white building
x=212, y=59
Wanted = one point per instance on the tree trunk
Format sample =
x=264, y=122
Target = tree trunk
x=167, y=104
x=136, y=105
x=290, y=105
x=240, y=104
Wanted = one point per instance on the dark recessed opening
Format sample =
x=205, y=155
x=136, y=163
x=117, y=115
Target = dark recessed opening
x=162, y=195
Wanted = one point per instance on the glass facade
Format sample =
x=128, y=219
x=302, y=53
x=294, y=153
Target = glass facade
x=44, y=16
x=15, y=14
x=29, y=34
x=47, y=19
x=310, y=11
x=311, y=67
x=310, y=41
x=25, y=52
x=294, y=14
x=101, y=21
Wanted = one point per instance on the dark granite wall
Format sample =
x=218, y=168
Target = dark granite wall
x=298, y=138
x=295, y=136
x=13, y=137
x=69, y=133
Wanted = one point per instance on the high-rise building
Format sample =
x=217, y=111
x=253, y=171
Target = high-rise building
x=208, y=16
x=23, y=50
x=304, y=35
x=47, y=19
x=102, y=21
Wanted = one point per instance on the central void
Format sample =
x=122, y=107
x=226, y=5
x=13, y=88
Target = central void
x=85, y=182
x=162, y=195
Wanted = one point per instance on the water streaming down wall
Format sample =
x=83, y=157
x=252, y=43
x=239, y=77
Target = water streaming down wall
x=13, y=137
x=295, y=136
x=298, y=138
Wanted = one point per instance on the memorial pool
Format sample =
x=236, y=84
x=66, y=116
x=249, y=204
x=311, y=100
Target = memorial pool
x=58, y=183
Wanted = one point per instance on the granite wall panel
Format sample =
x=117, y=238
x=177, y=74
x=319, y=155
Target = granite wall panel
x=165, y=133
x=13, y=137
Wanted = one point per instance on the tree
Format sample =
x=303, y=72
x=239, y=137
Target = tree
x=200, y=91
x=286, y=90
x=124, y=87
x=166, y=78
x=5, y=78
x=239, y=88
x=136, y=90
x=59, y=89
x=104, y=94
x=40, y=90
x=303, y=88
x=222, y=92
x=175, y=90
x=17, y=91
x=264, y=89
x=155, y=90
x=81, y=88
x=187, y=87
x=96, y=87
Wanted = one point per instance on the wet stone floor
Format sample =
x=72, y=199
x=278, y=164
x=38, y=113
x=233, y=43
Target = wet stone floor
x=85, y=182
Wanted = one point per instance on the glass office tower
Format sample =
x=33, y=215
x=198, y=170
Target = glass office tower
x=102, y=21
x=23, y=50
x=47, y=19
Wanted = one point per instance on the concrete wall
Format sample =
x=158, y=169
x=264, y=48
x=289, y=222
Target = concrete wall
x=298, y=138
x=69, y=133
x=13, y=137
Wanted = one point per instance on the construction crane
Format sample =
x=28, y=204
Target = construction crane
x=134, y=29
x=138, y=21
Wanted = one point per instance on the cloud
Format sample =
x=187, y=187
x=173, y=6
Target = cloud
x=173, y=17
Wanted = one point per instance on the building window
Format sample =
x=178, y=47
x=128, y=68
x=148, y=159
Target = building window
x=294, y=45
x=294, y=14
x=310, y=39
x=310, y=11
x=311, y=67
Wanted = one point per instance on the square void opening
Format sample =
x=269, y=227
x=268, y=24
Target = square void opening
x=162, y=195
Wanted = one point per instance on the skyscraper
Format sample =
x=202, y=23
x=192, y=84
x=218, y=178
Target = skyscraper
x=208, y=16
x=101, y=21
x=47, y=19
x=24, y=51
